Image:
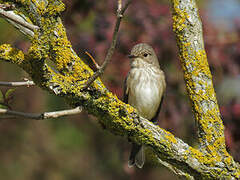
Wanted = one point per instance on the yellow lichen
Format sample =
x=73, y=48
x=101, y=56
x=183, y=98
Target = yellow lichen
x=11, y=54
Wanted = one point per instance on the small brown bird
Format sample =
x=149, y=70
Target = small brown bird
x=143, y=89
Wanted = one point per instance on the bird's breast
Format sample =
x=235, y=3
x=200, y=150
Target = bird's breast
x=145, y=91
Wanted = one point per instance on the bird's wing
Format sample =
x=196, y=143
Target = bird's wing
x=125, y=91
x=155, y=118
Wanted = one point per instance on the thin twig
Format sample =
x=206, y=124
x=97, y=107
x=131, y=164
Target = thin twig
x=41, y=116
x=112, y=47
x=17, y=19
x=93, y=60
x=16, y=84
x=119, y=6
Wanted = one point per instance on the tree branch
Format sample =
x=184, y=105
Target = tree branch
x=188, y=30
x=18, y=22
x=119, y=6
x=120, y=118
x=95, y=65
x=17, y=19
x=110, y=52
x=40, y=116
x=16, y=84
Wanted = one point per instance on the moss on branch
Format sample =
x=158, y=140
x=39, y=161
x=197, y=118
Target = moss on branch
x=50, y=43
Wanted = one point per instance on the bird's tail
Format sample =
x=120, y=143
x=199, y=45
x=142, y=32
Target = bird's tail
x=137, y=156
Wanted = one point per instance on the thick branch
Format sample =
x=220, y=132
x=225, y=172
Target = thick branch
x=40, y=74
x=13, y=55
x=41, y=116
x=121, y=118
x=188, y=30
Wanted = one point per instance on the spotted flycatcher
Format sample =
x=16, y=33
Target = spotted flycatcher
x=144, y=88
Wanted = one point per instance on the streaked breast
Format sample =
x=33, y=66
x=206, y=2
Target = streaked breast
x=146, y=86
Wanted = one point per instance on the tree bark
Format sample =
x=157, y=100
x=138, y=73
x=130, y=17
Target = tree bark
x=49, y=41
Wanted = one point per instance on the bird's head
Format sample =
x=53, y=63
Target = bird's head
x=143, y=54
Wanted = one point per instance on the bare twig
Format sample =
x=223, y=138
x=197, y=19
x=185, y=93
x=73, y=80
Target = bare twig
x=9, y=15
x=110, y=52
x=97, y=67
x=16, y=84
x=41, y=116
x=119, y=6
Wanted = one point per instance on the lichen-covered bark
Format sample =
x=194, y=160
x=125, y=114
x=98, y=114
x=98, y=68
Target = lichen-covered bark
x=188, y=29
x=68, y=79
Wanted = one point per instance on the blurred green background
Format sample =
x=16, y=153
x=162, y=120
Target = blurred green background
x=76, y=147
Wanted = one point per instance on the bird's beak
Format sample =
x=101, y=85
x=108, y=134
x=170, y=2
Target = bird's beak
x=131, y=56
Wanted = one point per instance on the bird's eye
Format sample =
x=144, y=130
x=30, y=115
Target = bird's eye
x=145, y=55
